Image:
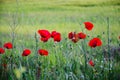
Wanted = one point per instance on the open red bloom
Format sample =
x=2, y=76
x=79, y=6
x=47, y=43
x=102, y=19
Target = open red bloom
x=43, y=52
x=70, y=35
x=53, y=33
x=8, y=45
x=2, y=50
x=81, y=35
x=26, y=52
x=44, y=39
x=45, y=35
x=88, y=25
x=57, y=37
x=95, y=42
x=91, y=63
x=73, y=36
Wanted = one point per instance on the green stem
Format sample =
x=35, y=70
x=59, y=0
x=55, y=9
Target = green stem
x=36, y=41
x=108, y=33
x=85, y=57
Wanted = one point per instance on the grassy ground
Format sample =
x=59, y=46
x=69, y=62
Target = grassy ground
x=66, y=60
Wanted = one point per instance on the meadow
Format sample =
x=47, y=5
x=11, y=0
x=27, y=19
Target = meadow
x=20, y=21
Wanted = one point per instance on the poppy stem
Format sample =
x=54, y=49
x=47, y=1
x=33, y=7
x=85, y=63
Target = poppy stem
x=36, y=41
x=85, y=57
x=108, y=34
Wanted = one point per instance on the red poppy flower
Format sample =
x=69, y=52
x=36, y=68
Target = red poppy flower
x=26, y=52
x=2, y=50
x=53, y=33
x=44, y=39
x=43, y=52
x=8, y=45
x=57, y=37
x=91, y=63
x=4, y=65
x=81, y=35
x=95, y=42
x=73, y=36
x=70, y=35
x=88, y=25
x=45, y=35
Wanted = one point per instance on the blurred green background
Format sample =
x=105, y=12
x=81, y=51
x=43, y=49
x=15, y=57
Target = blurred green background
x=61, y=15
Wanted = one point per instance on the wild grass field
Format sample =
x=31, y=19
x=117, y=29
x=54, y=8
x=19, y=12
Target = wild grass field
x=20, y=21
